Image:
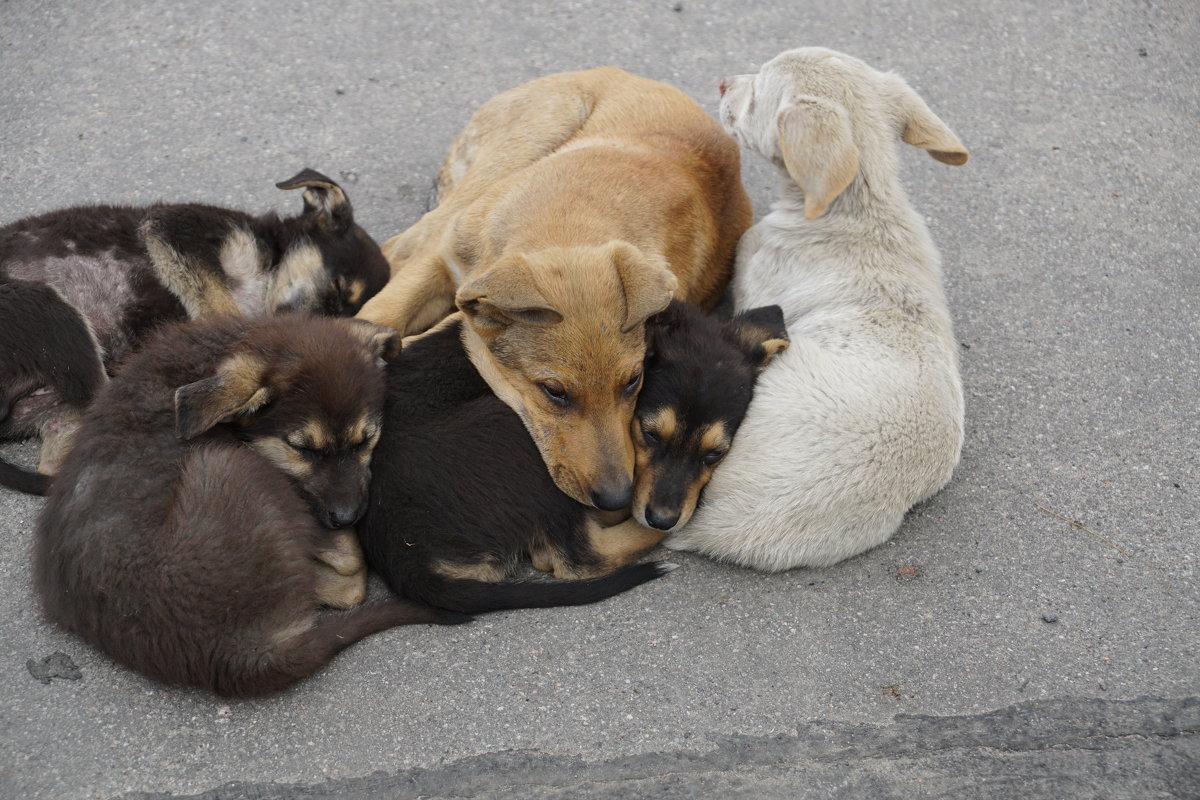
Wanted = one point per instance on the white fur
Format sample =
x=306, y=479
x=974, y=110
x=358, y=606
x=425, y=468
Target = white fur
x=863, y=415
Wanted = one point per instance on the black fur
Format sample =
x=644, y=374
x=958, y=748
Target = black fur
x=455, y=476
x=48, y=360
x=193, y=558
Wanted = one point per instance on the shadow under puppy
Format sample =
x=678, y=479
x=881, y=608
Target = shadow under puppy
x=188, y=534
x=127, y=270
x=461, y=500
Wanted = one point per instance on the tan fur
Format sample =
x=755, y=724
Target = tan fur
x=715, y=437
x=570, y=209
x=621, y=544
x=203, y=294
x=484, y=571
x=343, y=555
x=341, y=591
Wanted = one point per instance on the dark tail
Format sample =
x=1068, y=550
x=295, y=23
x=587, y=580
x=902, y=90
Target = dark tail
x=307, y=652
x=23, y=480
x=476, y=597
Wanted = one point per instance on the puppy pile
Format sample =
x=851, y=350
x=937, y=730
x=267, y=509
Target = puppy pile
x=561, y=402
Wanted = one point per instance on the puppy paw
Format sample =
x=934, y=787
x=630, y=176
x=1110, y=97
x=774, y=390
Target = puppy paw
x=343, y=555
x=341, y=591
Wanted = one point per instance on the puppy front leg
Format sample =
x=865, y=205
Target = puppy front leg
x=57, y=434
x=419, y=295
x=341, y=572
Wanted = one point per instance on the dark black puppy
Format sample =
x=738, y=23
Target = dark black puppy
x=40, y=395
x=127, y=270
x=188, y=534
x=460, y=496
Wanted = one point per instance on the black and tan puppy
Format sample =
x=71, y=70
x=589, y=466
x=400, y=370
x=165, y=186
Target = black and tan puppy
x=461, y=500
x=37, y=391
x=127, y=270
x=188, y=534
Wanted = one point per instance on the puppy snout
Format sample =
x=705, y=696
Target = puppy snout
x=343, y=517
x=663, y=520
x=613, y=498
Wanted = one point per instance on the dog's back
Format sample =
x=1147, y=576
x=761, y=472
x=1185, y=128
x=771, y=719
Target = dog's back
x=180, y=551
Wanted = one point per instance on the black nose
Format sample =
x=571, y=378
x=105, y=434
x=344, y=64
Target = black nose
x=613, y=499
x=341, y=517
x=662, y=521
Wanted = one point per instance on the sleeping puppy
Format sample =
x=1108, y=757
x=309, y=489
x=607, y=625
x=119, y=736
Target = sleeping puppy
x=863, y=416
x=191, y=533
x=570, y=209
x=127, y=270
x=461, y=501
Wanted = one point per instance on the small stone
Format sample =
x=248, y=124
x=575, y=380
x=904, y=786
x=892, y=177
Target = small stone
x=1142, y=52
x=56, y=665
x=979, y=568
x=1050, y=618
x=907, y=573
x=339, y=91
x=677, y=7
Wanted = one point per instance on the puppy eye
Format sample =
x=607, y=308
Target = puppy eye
x=632, y=386
x=557, y=394
x=648, y=436
x=310, y=453
x=713, y=456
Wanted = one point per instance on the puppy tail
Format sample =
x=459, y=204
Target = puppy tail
x=476, y=597
x=306, y=652
x=23, y=480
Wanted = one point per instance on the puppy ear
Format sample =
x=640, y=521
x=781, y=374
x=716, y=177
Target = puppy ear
x=818, y=151
x=648, y=283
x=506, y=293
x=381, y=341
x=923, y=128
x=760, y=333
x=235, y=390
x=324, y=201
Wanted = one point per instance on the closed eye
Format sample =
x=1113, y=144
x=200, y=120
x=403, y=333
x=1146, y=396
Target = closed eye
x=713, y=456
x=556, y=394
x=631, y=386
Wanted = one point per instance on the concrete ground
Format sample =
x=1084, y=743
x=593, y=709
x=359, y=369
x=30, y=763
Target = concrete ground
x=1032, y=631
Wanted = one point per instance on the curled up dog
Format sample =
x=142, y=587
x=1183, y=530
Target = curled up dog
x=462, y=504
x=863, y=416
x=127, y=270
x=199, y=521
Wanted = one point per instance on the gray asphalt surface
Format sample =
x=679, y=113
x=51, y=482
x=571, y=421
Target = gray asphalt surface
x=929, y=667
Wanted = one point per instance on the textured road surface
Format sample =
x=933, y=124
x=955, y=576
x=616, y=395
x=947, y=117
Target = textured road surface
x=1032, y=631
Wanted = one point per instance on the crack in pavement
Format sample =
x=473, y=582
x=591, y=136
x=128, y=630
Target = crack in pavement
x=1066, y=747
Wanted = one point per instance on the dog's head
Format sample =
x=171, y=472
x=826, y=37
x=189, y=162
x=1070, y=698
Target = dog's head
x=331, y=265
x=306, y=393
x=819, y=114
x=559, y=336
x=699, y=381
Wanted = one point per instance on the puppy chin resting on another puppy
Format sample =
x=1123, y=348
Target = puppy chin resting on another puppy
x=863, y=416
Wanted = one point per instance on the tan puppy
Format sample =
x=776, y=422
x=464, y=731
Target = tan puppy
x=571, y=209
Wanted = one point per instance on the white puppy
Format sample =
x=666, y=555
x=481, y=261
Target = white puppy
x=863, y=416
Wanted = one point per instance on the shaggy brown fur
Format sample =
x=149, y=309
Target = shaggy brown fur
x=183, y=535
x=571, y=209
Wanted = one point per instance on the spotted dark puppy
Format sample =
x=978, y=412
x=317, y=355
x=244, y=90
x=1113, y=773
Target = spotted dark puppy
x=190, y=533
x=127, y=270
x=461, y=501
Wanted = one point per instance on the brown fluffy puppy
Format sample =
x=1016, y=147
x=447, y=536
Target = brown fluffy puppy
x=183, y=536
x=570, y=209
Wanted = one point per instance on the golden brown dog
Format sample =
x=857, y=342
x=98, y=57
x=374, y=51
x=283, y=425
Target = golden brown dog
x=570, y=209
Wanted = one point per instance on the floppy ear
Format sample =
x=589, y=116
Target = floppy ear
x=235, y=390
x=324, y=200
x=818, y=151
x=506, y=293
x=381, y=341
x=760, y=333
x=648, y=283
x=923, y=128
